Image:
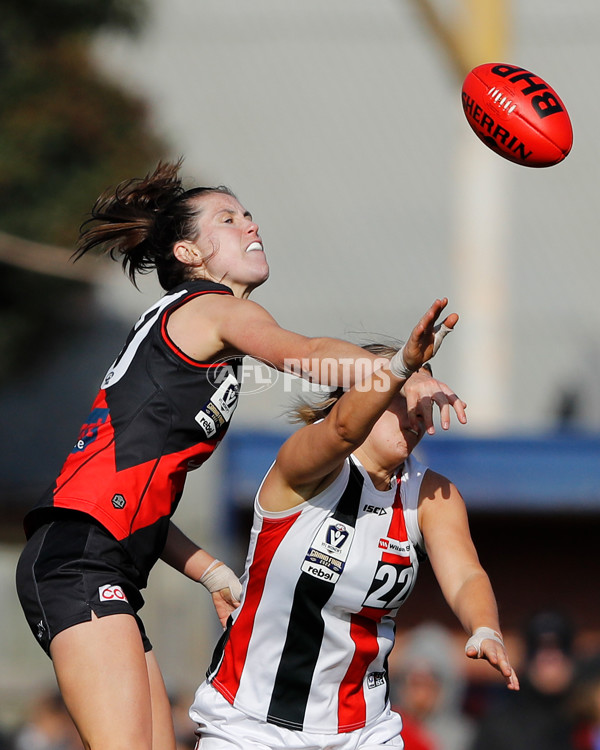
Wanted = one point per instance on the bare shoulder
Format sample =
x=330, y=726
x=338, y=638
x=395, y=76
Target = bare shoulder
x=436, y=485
x=200, y=326
x=214, y=305
x=439, y=500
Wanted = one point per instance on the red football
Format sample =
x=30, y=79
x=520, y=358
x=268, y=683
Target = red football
x=517, y=114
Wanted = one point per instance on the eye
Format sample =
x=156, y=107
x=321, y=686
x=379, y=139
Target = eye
x=228, y=220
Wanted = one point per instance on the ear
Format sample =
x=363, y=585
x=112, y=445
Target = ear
x=187, y=253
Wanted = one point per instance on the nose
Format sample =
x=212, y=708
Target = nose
x=252, y=228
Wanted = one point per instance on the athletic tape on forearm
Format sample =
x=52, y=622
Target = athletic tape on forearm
x=216, y=578
x=480, y=635
x=398, y=366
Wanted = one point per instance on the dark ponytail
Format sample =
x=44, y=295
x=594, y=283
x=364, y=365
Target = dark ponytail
x=142, y=219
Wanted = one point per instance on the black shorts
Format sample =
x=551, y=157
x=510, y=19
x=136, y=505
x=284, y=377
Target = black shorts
x=71, y=567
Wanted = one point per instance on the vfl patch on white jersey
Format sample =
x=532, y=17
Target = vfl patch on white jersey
x=329, y=550
x=220, y=408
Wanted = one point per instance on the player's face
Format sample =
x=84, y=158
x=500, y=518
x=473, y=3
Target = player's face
x=230, y=244
x=392, y=438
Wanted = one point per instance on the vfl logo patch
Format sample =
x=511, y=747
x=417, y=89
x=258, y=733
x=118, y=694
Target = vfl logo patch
x=329, y=550
x=220, y=408
x=336, y=535
x=111, y=594
x=375, y=679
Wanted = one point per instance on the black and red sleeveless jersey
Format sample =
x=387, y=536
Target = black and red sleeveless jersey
x=158, y=415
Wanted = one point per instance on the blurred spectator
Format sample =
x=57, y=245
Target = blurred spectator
x=48, y=727
x=537, y=717
x=429, y=690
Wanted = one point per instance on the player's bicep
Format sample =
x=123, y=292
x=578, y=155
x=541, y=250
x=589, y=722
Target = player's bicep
x=249, y=329
x=445, y=527
x=312, y=453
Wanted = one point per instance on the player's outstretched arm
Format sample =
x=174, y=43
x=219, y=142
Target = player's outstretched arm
x=214, y=326
x=462, y=579
x=317, y=450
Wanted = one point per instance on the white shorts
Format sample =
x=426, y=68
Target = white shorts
x=223, y=727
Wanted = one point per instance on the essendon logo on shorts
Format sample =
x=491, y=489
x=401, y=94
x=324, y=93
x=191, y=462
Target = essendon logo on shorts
x=111, y=594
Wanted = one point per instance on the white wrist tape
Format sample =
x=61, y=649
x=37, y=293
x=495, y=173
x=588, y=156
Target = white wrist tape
x=216, y=578
x=439, y=332
x=398, y=366
x=480, y=635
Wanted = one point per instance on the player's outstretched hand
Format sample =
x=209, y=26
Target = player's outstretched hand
x=422, y=392
x=494, y=652
x=426, y=337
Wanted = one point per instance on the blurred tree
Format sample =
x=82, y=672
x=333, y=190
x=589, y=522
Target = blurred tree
x=66, y=134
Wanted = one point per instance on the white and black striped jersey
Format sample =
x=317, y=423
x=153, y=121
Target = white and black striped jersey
x=308, y=647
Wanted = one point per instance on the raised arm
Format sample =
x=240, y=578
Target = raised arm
x=316, y=452
x=227, y=325
x=213, y=326
x=463, y=581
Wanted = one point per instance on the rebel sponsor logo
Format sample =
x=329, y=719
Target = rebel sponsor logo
x=321, y=565
x=325, y=575
x=111, y=594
